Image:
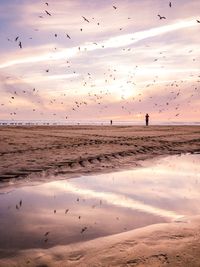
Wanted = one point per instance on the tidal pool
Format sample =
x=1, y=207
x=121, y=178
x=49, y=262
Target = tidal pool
x=74, y=210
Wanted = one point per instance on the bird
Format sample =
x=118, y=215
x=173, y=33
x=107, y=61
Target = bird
x=114, y=7
x=46, y=3
x=20, y=44
x=68, y=36
x=161, y=17
x=198, y=21
x=85, y=19
x=170, y=4
x=16, y=38
x=47, y=13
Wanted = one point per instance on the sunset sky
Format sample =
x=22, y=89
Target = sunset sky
x=100, y=60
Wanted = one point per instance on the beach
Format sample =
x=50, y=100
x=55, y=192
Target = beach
x=38, y=153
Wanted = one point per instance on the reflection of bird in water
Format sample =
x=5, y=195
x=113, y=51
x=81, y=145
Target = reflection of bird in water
x=83, y=229
x=161, y=17
x=46, y=234
x=66, y=211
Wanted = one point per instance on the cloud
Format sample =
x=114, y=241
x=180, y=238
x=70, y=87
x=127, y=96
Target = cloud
x=113, y=42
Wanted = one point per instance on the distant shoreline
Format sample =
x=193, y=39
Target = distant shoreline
x=91, y=123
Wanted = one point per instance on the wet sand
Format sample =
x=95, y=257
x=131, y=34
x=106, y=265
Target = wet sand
x=39, y=151
x=173, y=245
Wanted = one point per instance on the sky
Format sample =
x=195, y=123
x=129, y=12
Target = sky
x=88, y=60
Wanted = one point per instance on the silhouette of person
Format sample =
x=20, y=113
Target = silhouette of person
x=110, y=122
x=147, y=119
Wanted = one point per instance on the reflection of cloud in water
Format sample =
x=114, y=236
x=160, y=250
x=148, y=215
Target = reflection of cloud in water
x=116, y=199
x=168, y=189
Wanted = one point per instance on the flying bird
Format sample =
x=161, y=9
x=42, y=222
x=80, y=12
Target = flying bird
x=46, y=3
x=170, y=4
x=20, y=44
x=114, y=7
x=16, y=38
x=198, y=21
x=161, y=17
x=68, y=36
x=85, y=19
x=47, y=13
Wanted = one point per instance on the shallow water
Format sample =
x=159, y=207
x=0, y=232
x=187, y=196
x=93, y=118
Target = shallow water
x=73, y=210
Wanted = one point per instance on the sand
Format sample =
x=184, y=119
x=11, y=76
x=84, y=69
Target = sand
x=75, y=150
x=38, y=151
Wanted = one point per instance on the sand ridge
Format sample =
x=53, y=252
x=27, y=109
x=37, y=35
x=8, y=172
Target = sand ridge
x=69, y=150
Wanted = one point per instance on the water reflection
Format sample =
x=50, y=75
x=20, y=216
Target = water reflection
x=67, y=211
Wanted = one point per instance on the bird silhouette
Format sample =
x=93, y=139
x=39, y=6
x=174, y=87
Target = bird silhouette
x=47, y=13
x=85, y=19
x=170, y=4
x=161, y=17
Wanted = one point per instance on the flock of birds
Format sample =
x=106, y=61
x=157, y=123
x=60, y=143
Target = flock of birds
x=110, y=76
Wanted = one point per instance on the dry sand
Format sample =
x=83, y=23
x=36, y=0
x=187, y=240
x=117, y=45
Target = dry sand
x=39, y=151
x=83, y=149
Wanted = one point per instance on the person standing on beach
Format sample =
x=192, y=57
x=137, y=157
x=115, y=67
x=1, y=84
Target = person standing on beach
x=147, y=119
